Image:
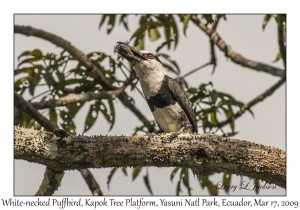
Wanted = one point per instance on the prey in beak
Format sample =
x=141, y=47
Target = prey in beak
x=129, y=53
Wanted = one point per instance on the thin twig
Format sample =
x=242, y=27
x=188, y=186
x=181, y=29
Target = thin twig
x=194, y=70
x=91, y=182
x=235, y=57
x=39, y=95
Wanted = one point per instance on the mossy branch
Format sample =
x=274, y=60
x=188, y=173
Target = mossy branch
x=203, y=153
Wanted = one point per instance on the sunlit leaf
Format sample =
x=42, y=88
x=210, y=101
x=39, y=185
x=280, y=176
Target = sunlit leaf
x=212, y=189
x=136, y=171
x=186, y=20
x=278, y=57
x=175, y=170
x=53, y=115
x=153, y=34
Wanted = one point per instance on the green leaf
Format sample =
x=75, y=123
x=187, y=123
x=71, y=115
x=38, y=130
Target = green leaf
x=136, y=171
x=226, y=181
x=214, y=96
x=212, y=189
x=67, y=122
x=213, y=118
x=124, y=21
x=186, y=20
x=175, y=170
x=185, y=179
x=74, y=108
x=48, y=77
x=278, y=57
x=112, y=172
x=60, y=76
x=147, y=182
x=178, y=189
x=256, y=184
x=153, y=34
x=266, y=20
x=110, y=117
x=222, y=16
x=35, y=53
x=249, y=110
x=208, y=18
x=102, y=20
x=112, y=113
x=91, y=117
x=111, y=23
x=53, y=115
x=124, y=170
x=203, y=181
x=33, y=82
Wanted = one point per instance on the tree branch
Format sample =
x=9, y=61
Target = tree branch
x=235, y=57
x=63, y=101
x=91, y=182
x=51, y=182
x=204, y=153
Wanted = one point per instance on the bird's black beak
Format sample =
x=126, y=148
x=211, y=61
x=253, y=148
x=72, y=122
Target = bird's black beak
x=129, y=53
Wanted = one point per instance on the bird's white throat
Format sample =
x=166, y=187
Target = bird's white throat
x=151, y=74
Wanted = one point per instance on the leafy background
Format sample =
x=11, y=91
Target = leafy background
x=189, y=48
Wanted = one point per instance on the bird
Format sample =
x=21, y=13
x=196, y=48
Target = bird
x=166, y=98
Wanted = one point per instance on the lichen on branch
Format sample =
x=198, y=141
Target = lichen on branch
x=203, y=153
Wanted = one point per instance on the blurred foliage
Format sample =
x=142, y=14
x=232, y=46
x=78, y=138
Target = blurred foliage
x=281, y=23
x=63, y=75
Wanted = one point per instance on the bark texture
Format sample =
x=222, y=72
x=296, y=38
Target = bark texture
x=204, y=153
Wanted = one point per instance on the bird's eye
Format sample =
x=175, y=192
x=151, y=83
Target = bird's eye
x=150, y=56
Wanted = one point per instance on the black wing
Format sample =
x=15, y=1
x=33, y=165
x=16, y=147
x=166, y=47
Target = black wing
x=180, y=96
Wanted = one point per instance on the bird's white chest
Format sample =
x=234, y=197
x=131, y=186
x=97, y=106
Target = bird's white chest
x=168, y=117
